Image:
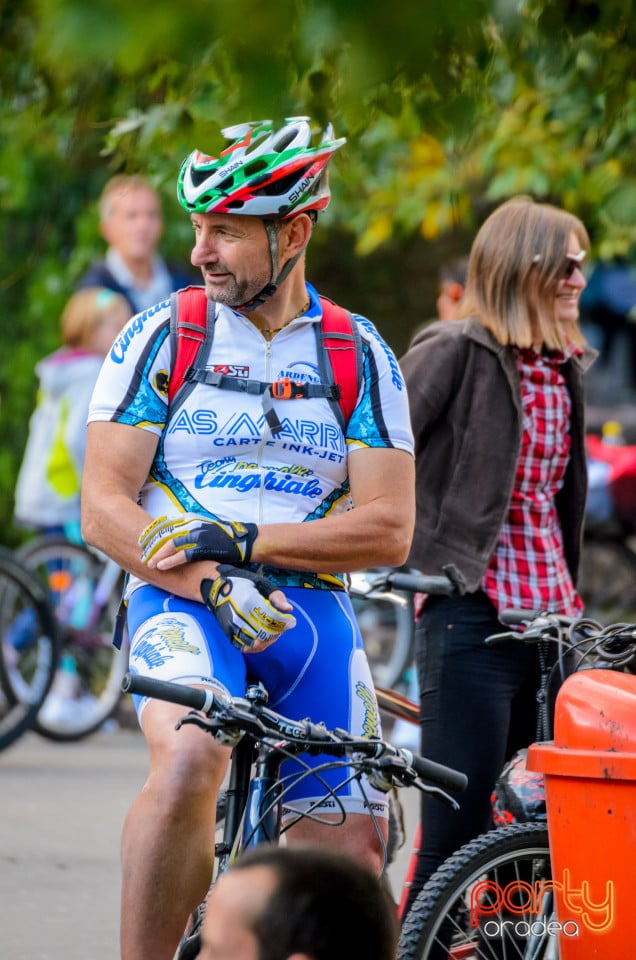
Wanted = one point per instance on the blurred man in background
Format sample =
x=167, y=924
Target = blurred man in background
x=131, y=223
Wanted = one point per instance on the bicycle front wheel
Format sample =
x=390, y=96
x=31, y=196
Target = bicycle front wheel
x=477, y=904
x=28, y=648
x=86, y=690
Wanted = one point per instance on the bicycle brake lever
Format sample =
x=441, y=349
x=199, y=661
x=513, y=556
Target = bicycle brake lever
x=227, y=737
x=499, y=637
x=437, y=792
x=193, y=717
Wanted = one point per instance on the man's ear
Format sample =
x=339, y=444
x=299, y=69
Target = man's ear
x=294, y=235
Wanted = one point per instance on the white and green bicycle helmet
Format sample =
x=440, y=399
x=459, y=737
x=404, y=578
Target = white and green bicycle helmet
x=265, y=173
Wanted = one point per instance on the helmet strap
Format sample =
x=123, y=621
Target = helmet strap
x=271, y=228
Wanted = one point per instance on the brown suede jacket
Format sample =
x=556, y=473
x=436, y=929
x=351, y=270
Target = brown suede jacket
x=465, y=403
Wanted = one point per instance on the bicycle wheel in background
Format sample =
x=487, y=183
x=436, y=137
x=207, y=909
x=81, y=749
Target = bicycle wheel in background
x=387, y=624
x=477, y=905
x=28, y=648
x=607, y=580
x=87, y=687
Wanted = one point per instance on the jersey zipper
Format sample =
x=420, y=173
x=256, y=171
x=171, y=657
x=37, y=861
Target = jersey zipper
x=265, y=436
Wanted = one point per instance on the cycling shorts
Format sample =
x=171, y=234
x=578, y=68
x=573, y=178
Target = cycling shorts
x=316, y=670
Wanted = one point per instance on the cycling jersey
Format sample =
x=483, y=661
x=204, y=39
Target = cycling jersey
x=216, y=454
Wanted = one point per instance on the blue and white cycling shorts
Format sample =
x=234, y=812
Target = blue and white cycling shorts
x=316, y=670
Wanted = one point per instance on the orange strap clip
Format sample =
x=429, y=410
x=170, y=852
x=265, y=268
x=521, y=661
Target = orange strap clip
x=286, y=389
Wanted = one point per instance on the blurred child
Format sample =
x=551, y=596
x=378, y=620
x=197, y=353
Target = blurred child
x=47, y=495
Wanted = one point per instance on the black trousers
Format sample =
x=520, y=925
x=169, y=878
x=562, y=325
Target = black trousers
x=478, y=706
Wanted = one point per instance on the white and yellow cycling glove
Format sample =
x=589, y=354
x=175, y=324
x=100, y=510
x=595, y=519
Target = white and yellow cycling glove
x=239, y=600
x=200, y=538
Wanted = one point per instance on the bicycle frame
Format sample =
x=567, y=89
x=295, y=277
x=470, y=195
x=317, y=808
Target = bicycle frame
x=261, y=740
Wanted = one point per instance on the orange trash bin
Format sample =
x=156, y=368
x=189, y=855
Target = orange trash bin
x=590, y=785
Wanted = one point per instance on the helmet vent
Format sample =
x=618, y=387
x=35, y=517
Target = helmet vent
x=255, y=167
x=284, y=139
x=198, y=176
x=285, y=184
x=225, y=184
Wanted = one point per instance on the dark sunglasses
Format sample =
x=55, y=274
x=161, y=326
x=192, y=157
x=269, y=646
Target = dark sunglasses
x=573, y=262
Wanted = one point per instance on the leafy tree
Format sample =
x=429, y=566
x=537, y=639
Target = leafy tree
x=448, y=109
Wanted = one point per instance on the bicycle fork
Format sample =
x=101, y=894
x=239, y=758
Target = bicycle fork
x=253, y=809
x=264, y=810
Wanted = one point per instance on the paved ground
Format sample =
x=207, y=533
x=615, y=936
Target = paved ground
x=61, y=811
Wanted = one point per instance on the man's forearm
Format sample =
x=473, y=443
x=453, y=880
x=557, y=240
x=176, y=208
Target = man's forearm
x=114, y=528
x=335, y=544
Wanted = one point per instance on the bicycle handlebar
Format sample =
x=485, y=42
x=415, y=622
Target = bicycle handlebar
x=444, y=776
x=304, y=730
x=196, y=698
x=451, y=583
x=513, y=616
x=613, y=646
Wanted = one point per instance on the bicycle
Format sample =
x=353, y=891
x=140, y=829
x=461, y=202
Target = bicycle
x=251, y=810
x=29, y=648
x=383, y=601
x=84, y=590
x=476, y=904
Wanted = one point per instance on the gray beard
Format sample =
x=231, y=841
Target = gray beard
x=237, y=294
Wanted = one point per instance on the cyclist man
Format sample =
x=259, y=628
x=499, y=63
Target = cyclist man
x=217, y=499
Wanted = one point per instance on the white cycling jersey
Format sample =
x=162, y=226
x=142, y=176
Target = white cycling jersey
x=216, y=453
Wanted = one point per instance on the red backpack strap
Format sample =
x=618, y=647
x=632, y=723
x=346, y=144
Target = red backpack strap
x=188, y=325
x=342, y=349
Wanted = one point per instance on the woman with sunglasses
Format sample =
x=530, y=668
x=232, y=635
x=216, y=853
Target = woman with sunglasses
x=497, y=409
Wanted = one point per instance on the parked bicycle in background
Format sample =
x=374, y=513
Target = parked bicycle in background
x=84, y=591
x=29, y=647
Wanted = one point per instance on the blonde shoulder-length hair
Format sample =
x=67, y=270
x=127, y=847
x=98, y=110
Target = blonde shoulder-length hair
x=86, y=310
x=514, y=267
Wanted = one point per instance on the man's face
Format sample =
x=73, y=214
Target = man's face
x=134, y=223
x=233, y=254
x=236, y=898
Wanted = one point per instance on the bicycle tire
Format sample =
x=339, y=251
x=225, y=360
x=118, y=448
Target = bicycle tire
x=387, y=630
x=438, y=924
x=64, y=566
x=190, y=943
x=607, y=580
x=29, y=648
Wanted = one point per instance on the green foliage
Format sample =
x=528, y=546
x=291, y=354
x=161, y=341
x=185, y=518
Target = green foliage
x=448, y=109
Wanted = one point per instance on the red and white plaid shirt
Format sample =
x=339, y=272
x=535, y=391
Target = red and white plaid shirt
x=528, y=568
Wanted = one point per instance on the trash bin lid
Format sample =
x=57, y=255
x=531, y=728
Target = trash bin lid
x=553, y=761
x=596, y=710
